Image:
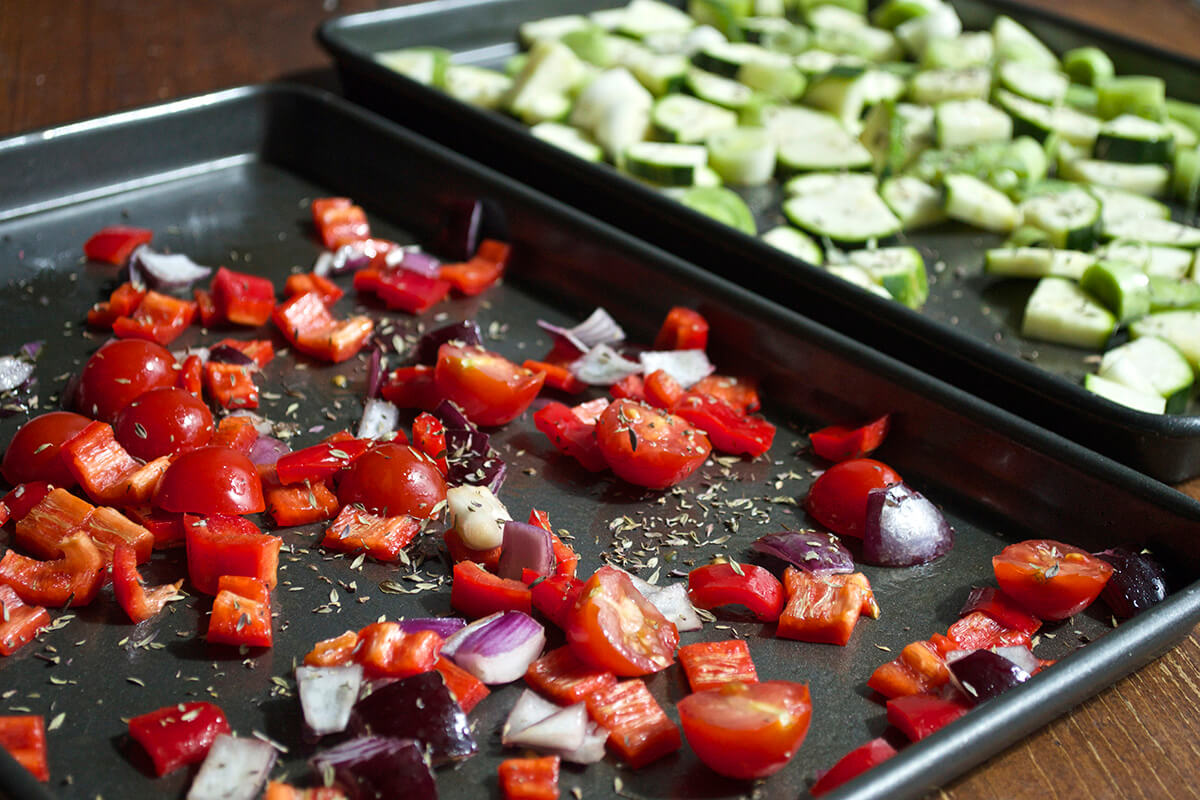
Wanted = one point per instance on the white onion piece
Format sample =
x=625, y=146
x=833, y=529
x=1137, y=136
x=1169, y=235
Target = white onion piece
x=1020, y=655
x=603, y=366
x=498, y=648
x=685, y=366
x=164, y=270
x=181, y=355
x=535, y=722
x=904, y=528
x=673, y=601
x=591, y=751
x=413, y=259
x=477, y=515
x=234, y=769
x=327, y=696
x=13, y=372
x=598, y=328
x=530, y=707
x=323, y=266
x=378, y=420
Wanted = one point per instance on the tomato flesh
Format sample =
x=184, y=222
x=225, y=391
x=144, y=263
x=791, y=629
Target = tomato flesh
x=391, y=479
x=747, y=730
x=613, y=627
x=490, y=389
x=838, y=498
x=120, y=372
x=163, y=422
x=33, y=453
x=1049, y=579
x=648, y=446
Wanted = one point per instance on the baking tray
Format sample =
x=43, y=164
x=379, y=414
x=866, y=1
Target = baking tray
x=227, y=178
x=968, y=332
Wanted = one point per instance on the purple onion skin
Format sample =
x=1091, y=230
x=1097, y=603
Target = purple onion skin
x=1137, y=582
x=421, y=708
x=904, y=528
x=371, y=767
x=525, y=547
x=812, y=551
x=375, y=372
x=466, y=332
x=442, y=626
x=472, y=461
x=988, y=674
x=227, y=354
x=460, y=230
x=452, y=417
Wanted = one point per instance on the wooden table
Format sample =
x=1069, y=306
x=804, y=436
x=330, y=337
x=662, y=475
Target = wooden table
x=65, y=61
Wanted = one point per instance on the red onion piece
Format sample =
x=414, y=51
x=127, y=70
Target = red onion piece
x=817, y=552
x=420, y=707
x=379, y=419
x=673, y=601
x=234, y=769
x=685, y=366
x=535, y=722
x=14, y=372
x=352, y=257
x=591, y=751
x=983, y=674
x=1137, y=582
x=323, y=266
x=413, y=259
x=31, y=350
x=904, y=528
x=327, y=696
x=598, y=328
x=498, y=648
x=164, y=270
x=442, y=626
x=379, y=766
x=465, y=333
x=460, y=229
x=267, y=450
x=469, y=453
x=1020, y=655
x=228, y=354
x=525, y=547
x=603, y=366
x=452, y=417
x=375, y=370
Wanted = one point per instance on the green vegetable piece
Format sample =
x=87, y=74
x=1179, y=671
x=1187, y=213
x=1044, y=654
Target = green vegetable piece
x=1088, y=65
x=1143, y=95
x=722, y=205
x=1120, y=286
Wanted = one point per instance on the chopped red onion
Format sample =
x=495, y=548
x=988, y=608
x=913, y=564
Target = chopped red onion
x=466, y=333
x=378, y=420
x=983, y=674
x=234, y=769
x=498, y=648
x=420, y=707
x=327, y=695
x=14, y=372
x=413, y=259
x=525, y=547
x=1137, y=582
x=452, y=417
x=376, y=370
x=353, y=256
x=31, y=350
x=673, y=601
x=228, y=354
x=442, y=626
x=591, y=751
x=598, y=328
x=603, y=366
x=371, y=767
x=323, y=266
x=904, y=528
x=267, y=450
x=164, y=270
x=817, y=552
x=459, y=237
x=535, y=722
x=1020, y=655
x=685, y=366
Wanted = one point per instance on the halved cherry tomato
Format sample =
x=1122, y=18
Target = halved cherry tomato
x=839, y=443
x=648, y=446
x=747, y=730
x=392, y=479
x=211, y=480
x=614, y=627
x=120, y=372
x=32, y=455
x=490, y=389
x=838, y=498
x=163, y=422
x=683, y=329
x=1049, y=579
x=741, y=393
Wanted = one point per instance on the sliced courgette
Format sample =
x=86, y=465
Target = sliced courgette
x=1059, y=311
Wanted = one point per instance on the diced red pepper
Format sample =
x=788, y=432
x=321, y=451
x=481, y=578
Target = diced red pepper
x=978, y=631
x=301, y=283
x=529, y=778
x=74, y=579
x=235, y=432
x=740, y=393
x=339, y=221
x=41, y=527
x=386, y=651
x=639, y=731
x=481, y=271
x=320, y=461
x=477, y=593
x=333, y=652
x=206, y=309
x=411, y=387
x=165, y=526
x=19, y=622
x=131, y=594
x=555, y=596
x=717, y=585
x=307, y=324
x=1000, y=607
x=241, y=298
x=712, y=664
x=853, y=764
x=24, y=497
x=557, y=376
x=683, y=329
x=819, y=610
x=24, y=737
x=631, y=386
x=158, y=318
x=178, y=735
x=100, y=463
x=729, y=431
x=301, y=504
x=570, y=436
x=382, y=538
x=230, y=385
x=466, y=688
x=566, y=680
x=918, y=669
x=662, y=391
x=109, y=528
x=277, y=790
x=191, y=375
x=402, y=289
x=222, y=544
x=241, y=614
x=115, y=243
x=261, y=350
x=565, y=559
x=918, y=715
x=488, y=559
x=429, y=436
x=839, y=443
x=123, y=301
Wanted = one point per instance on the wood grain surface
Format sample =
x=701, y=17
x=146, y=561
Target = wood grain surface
x=64, y=61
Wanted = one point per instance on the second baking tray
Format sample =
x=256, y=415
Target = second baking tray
x=968, y=331
x=228, y=178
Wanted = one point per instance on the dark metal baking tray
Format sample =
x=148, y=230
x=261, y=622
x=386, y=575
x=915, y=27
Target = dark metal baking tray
x=968, y=332
x=227, y=178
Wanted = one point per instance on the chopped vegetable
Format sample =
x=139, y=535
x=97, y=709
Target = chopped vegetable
x=709, y=665
x=744, y=585
x=639, y=731
x=178, y=735
x=327, y=696
x=903, y=528
x=498, y=648
x=422, y=708
x=24, y=737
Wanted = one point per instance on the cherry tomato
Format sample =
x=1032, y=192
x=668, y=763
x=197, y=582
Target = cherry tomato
x=648, y=446
x=120, y=372
x=746, y=730
x=615, y=628
x=211, y=480
x=392, y=479
x=490, y=389
x=32, y=455
x=163, y=422
x=1049, y=579
x=838, y=499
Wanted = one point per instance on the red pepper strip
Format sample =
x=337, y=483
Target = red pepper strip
x=242, y=298
x=918, y=715
x=683, y=329
x=178, y=735
x=382, y=538
x=566, y=680
x=115, y=243
x=277, y=790
x=165, y=526
x=632, y=387
x=41, y=528
x=555, y=597
x=411, y=387
x=159, y=318
x=869, y=607
x=305, y=282
x=729, y=431
x=853, y=764
x=191, y=376
x=557, y=376
x=307, y=324
x=429, y=435
x=320, y=461
x=639, y=731
x=230, y=385
x=481, y=271
x=717, y=585
x=241, y=614
x=1000, y=607
x=261, y=350
x=338, y=221
x=131, y=594
x=466, y=688
x=24, y=737
x=236, y=433
x=708, y=665
x=386, y=651
x=301, y=504
x=109, y=529
x=19, y=622
x=99, y=463
x=223, y=544
x=121, y=303
x=477, y=593
x=529, y=778
x=740, y=393
x=839, y=443
x=918, y=669
x=24, y=497
x=206, y=309
x=333, y=652
x=488, y=559
x=402, y=289
x=570, y=436
x=74, y=579
x=978, y=631
x=662, y=391
x=819, y=610
x=565, y=559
